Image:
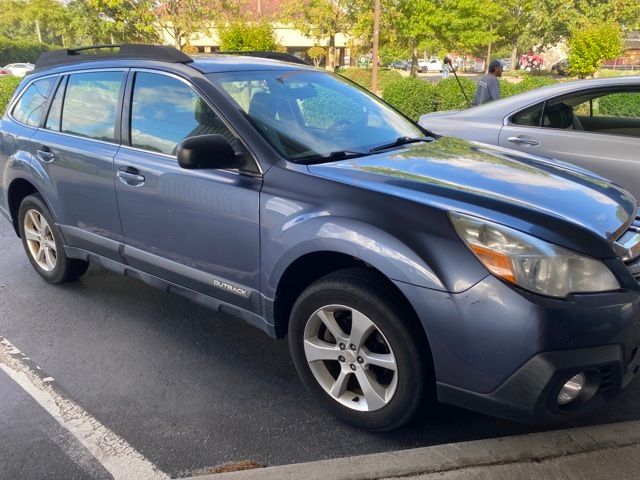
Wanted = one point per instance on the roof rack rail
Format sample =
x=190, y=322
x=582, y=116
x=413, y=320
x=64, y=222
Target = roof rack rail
x=284, y=57
x=162, y=53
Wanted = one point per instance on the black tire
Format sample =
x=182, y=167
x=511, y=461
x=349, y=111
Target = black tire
x=66, y=269
x=367, y=293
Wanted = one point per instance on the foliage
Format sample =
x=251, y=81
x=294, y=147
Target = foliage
x=241, y=36
x=8, y=85
x=531, y=82
x=115, y=20
x=362, y=76
x=619, y=105
x=450, y=96
x=590, y=46
x=183, y=19
x=19, y=51
x=412, y=96
x=316, y=53
x=321, y=20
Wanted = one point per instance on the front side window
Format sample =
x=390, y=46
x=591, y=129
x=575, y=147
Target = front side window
x=31, y=105
x=309, y=114
x=165, y=111
x=90, y=105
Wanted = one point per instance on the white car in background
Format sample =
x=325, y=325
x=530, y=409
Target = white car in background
x=19, y=69
x=431, y=65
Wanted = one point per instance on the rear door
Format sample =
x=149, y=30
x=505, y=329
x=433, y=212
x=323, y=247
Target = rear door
x=76, y=146
x=599, y=131
x=196, y=228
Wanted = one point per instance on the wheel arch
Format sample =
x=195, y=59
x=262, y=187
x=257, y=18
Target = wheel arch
x=312, y=266
x=19, y=188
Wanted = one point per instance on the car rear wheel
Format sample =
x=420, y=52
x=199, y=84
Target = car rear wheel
x=42, y=241
x=357, y=350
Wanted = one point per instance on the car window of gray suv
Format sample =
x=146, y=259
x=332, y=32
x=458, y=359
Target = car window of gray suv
x=90, y=105
x=165, y=111
x=29, y=108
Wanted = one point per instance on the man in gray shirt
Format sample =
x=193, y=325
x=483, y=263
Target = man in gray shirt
x=489, y=86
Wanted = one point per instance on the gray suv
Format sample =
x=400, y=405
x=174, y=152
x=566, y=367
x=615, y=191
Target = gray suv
x=403, y=267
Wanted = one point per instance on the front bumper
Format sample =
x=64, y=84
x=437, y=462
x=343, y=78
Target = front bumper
x=530, y=394
x=507, y=352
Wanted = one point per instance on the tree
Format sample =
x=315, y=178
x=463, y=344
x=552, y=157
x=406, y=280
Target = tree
x=322, y=20
x=316, y=53
x=590, y=46
x=241, y=36
x=116, y=21
x=181, y=19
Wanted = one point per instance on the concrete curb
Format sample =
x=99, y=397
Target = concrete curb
x=525, y=448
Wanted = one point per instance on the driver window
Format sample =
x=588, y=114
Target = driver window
x=165, y=111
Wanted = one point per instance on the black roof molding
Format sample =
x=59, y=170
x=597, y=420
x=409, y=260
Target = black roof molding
x=163, y=53
x=283, y=57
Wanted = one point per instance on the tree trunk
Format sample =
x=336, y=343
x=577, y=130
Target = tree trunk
x=486, y=67
x=38, y=31
x=331, y=53
x=414, y=58
x=177, y=42
x=514, y=56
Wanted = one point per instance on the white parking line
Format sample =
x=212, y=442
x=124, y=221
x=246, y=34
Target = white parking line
x=114, y=453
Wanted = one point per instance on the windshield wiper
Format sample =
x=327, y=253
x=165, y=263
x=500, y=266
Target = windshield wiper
x=330, y=157
x=400, y=141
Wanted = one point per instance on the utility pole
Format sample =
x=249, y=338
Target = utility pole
x=376, y=41
x=260, y=9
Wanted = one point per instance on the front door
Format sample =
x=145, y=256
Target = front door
x=196, y=228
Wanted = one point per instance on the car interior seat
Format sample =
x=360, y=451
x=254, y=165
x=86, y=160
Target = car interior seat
x=561, y=116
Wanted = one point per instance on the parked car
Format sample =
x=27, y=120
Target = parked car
x=4, y=73
x=561, y=68
x=19, y=69
x=401, y=65
x=402, y=267
x=431, y=65
x=592, y=123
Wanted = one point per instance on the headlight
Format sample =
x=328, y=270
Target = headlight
x=532, y=263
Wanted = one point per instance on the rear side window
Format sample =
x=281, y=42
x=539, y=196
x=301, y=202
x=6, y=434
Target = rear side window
x=90, y=105
x=31, y=105
x=529, y=117
x=55, y=110
x=165, y=111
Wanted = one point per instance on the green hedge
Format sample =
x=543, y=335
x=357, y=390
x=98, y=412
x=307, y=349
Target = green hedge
x=7, y=86
x=20, y=51
x=412, y=96
x=620, y=105
x=362, y=76
x=508, y=89
x=450, y=96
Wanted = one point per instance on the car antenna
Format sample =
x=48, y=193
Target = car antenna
x=447, y=61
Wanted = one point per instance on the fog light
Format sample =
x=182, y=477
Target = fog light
x=572, y=389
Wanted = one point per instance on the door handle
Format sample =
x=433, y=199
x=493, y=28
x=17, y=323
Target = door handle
x=524, y=141
x=45, y=155
x=130, y=176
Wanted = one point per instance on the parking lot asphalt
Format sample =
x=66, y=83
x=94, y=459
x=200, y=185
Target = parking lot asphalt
x=186, y=387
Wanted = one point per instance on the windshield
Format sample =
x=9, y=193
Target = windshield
x=309, y=114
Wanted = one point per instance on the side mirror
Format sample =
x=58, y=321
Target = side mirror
x=207, y=151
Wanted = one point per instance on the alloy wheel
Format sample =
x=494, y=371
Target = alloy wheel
x=350, y=358
x=40, y=240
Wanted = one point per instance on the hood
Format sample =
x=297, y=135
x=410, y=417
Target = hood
x=450, y=173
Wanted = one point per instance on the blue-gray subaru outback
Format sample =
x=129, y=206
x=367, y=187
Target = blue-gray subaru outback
x=403, y=267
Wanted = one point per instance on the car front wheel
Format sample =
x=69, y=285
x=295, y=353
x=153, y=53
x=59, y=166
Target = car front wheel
x=358, y=351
